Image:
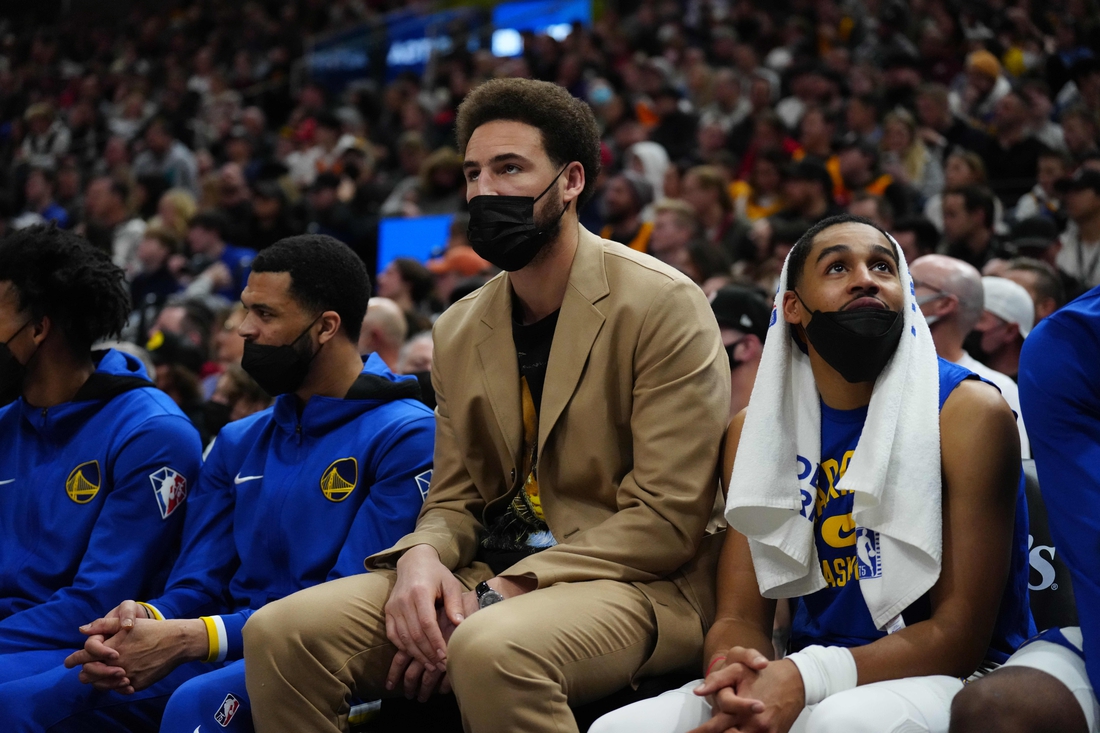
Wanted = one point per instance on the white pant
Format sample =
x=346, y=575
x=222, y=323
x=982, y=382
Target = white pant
x=911, y=705
x=1066, y=667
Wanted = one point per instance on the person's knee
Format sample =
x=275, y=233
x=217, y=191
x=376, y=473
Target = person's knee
x=1016, y=700
x=473, y=646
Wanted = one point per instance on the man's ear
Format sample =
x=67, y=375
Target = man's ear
x=792, y=308
x=41, y=330
x=330, y=326
x=574, y=181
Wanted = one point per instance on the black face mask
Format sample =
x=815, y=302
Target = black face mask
x=502, y=229
x=856, y=343
x=972, y=344
x=12, y=371
x=216, y=416
x=279, y=369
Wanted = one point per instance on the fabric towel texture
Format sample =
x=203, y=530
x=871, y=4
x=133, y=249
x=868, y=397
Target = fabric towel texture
x=894, y=472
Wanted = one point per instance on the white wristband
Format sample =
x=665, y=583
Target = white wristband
x=825, y=670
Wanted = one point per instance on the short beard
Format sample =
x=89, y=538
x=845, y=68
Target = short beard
x=553, y=240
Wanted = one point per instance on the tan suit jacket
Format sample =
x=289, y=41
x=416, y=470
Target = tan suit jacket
x=634, y=408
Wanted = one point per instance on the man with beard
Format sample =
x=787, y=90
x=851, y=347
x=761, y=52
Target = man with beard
x=581, y=399
x=626, y=195
x=289, y=497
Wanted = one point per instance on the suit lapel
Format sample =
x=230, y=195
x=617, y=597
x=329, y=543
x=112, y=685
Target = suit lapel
x=578, y=325
x=500, y=368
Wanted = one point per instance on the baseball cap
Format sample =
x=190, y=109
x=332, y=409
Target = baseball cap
x=1033, y=233
x=1010, y=302
x=167, y=348
x=742, y=309
x=985, y=62
x=1082, y=179
x=459, y=258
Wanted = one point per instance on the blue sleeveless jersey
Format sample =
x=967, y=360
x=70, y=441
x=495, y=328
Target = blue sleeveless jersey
x=837, y=615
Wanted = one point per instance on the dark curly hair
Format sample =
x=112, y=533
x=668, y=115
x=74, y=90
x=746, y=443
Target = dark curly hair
x=568, y=127
x=325, y=275
x=61, y=276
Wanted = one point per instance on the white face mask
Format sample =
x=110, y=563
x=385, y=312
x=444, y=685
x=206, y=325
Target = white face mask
x=930, y=320
x=931, y=297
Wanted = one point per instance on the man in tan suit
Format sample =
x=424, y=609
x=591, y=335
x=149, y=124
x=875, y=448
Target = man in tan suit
x=582, y=397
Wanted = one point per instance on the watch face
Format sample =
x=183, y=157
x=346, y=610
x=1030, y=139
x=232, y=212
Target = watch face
x=489, y=599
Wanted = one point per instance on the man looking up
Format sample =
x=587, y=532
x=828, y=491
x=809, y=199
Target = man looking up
x=742, y=316
x=289, y=497
x=949, y=293
x=904, y=551
x=582, y=395
x=95, y=464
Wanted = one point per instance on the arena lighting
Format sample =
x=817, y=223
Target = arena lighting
x=555, y=18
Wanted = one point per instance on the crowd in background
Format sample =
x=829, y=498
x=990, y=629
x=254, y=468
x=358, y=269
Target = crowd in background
x=178, y=138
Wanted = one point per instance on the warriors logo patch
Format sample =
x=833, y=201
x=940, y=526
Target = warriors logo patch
x=227, y=710
x=83, y=483
x=339, y=479
x=171, y=489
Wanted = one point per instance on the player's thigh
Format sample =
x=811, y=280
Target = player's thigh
x=910, y=704
x=217, y=699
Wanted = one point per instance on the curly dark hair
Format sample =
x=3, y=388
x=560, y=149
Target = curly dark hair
x=568, y=127
x=63, y=277
x=325, y=275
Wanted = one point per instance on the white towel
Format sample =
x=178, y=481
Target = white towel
x=894, y=472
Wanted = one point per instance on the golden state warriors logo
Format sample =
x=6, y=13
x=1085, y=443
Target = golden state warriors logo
x=339, y=479
x=83, y=483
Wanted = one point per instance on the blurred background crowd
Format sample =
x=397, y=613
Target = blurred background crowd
x=184, y=136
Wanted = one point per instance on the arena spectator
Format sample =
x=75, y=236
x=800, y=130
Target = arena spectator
x=963, y=168
x=1043, y=199
x=39, y=192
x=327, y=214
x=760, y=194
x=942, y=129
x=219, y=267
x=742, y=315
x=236, y=396
x=846, y=666
x=968, y=226
x=47, y=137
x=916, y=236
x=109, y=224
x=174, y=212
x=156, y=280
x=458, y=263
x=535, y=573
x=1051, y=682
x=1006, y=321
x=1080, y=253
x=370, y=451
x=96, y=463
x=1041, y=282
x=1012, y=161
x=409, y=284
x=873, y=208
x=624, y=199
x=905, y=156
x=674, y=228
x=272, y=219
x=383, y=332
x=808, y=192
x=985, y=86
x=416, y=357
x=950, y=295
x=167, y=157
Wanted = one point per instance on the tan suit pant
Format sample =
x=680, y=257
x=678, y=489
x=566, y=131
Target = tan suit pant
x=515, y=666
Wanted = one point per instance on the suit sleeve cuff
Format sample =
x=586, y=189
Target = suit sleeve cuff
x=153, y=611
x=218, y=638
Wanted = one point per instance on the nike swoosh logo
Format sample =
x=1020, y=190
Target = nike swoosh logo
x=4, y=483
x=239, y=479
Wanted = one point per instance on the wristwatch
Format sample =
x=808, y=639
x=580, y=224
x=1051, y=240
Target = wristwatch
x=486, y=596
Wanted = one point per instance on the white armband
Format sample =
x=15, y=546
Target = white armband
x=825, y=670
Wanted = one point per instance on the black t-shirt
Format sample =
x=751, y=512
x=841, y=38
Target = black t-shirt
x=533, y=350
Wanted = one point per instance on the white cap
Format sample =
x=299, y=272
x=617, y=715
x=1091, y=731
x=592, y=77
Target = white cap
x=1010, y=302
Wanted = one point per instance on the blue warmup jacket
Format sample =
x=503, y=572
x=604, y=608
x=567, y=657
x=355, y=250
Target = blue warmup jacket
x=91, y=503
x=287, y=501
x=1060, y=398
